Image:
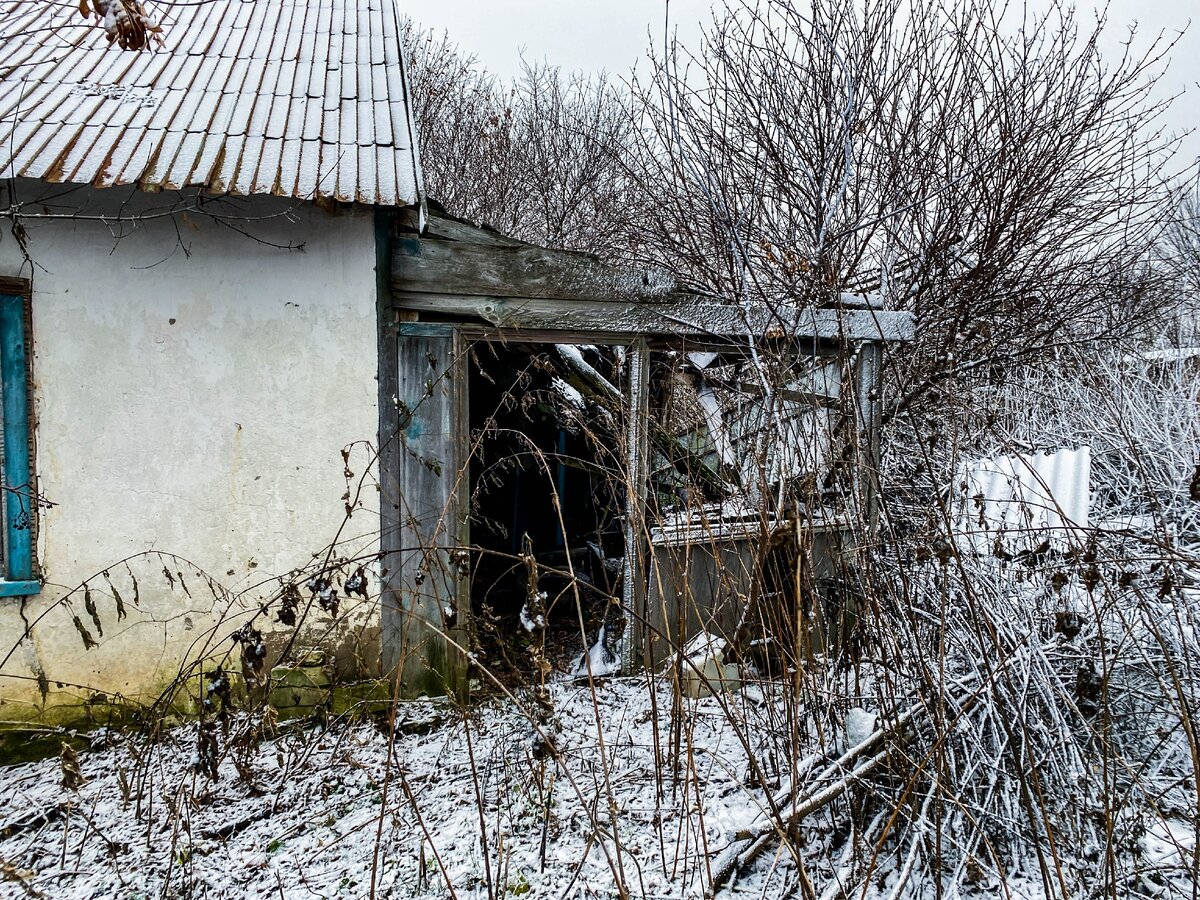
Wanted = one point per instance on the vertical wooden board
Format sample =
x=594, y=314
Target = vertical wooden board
x=868, y=413
x=389, y=443
x=427, y=607
x=697, y=586
x=667, y=607
x=634, y=643
x=661, y=588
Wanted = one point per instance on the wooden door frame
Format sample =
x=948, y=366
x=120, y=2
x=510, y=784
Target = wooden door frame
x=403, y=626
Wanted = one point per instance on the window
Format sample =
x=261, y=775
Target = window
x=18, y=497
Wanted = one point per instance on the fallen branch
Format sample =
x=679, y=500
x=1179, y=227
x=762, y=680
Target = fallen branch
x=838, y=777
x=748, y=844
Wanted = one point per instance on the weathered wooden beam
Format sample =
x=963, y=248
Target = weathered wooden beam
x=680, y=316
x=813, y=397
x=453, y=267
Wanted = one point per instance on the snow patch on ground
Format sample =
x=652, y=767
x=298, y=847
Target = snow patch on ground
x=599, y=661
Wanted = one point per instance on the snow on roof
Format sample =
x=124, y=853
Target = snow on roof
x=297, y=98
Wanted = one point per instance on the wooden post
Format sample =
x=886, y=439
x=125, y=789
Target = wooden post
x=868, y=421
x=634, y=642
x=426, y=610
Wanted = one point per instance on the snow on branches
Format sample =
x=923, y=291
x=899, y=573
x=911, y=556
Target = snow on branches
x=125, y=22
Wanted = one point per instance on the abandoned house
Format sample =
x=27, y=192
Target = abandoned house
x=254, y=383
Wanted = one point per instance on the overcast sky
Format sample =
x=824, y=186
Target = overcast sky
x=612, y=35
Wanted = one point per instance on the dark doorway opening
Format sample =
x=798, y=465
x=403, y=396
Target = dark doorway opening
x=546, y=480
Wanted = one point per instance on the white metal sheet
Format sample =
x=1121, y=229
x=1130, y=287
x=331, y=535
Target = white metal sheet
x=1010, y=503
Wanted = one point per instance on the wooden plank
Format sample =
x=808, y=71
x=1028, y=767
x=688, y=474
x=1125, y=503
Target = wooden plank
x=19, y=504
x=481, y=332
x=446, y=228
x=477, y=331
x=818, y=394
x=685, y=316
x=637, y=452
x=429, y=595
x=391, y=619
x=518, y=271
x=697, y=586
x=16, y=287
x=868, y=382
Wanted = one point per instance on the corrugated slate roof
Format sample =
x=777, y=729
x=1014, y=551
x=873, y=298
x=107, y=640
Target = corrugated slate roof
x=299, y=98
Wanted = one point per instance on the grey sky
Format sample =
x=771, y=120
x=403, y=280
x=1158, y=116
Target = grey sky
x=612, y=35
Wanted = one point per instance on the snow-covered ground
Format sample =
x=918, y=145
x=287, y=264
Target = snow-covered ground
x=649, y=788
x=326, y=816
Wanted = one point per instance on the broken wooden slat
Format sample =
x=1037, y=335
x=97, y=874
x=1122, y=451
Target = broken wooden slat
x=440, y=226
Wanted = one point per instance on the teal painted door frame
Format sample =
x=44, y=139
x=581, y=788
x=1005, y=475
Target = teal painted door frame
x=20, y=498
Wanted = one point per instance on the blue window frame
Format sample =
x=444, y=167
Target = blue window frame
x=18, y=497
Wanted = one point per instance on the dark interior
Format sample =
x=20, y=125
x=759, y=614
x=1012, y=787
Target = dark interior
x=534, y=440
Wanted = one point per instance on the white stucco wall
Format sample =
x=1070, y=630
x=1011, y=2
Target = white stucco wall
x=194, y=389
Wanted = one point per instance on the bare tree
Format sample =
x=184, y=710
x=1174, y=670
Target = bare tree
x=1179, y=254
x=538, y=158
x=979, y=165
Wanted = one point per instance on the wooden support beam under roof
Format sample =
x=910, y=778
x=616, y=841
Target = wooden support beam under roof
x=465, y=272
x=453, y=267
x=683, y=316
